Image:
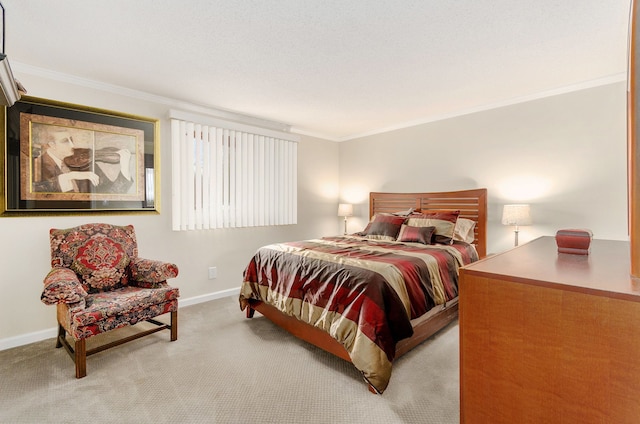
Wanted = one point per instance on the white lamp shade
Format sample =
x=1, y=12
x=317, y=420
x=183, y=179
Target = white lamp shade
x=345, y=209
x=516, y=215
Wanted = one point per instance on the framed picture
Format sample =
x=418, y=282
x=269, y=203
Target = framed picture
x=63, y=158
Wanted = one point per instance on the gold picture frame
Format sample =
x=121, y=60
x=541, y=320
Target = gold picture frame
x=63, y=158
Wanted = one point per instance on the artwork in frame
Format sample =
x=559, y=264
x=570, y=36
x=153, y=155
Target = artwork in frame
x=63, y=158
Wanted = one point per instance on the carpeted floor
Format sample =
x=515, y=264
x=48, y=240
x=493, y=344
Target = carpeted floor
x=225, y=368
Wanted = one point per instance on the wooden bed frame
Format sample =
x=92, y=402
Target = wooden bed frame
x=472, y=205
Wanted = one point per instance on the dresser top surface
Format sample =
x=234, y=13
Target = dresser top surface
x=605, y=271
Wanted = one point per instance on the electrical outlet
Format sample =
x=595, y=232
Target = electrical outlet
x=213, y=272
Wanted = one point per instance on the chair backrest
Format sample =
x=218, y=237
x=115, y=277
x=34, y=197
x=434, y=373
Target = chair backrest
x=98, y=253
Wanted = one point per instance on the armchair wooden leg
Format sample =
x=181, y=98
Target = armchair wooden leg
x=80, y=358
x=62, y=333
x=174, y=326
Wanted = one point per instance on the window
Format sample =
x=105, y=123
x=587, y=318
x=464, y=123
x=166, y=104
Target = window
x=231, y=175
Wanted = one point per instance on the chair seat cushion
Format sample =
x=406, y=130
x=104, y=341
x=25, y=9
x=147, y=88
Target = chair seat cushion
x=102, y=305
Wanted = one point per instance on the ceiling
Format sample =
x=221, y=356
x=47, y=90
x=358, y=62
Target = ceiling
x=335, y=69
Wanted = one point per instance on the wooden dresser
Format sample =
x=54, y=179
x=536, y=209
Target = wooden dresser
x=550, y=338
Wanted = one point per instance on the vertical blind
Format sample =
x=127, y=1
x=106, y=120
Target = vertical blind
x=225, y=178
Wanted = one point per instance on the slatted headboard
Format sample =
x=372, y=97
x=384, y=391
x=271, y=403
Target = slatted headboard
x=472, y=204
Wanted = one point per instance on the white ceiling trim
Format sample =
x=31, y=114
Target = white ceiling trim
x=286, y=128
x=141, y=95
x=534, y=96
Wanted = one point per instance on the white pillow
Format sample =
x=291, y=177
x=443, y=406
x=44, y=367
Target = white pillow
x=404, y=213
x=464, y=230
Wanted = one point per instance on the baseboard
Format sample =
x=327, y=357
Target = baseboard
x=209, y=296
x=24, y=339
x=51, y=333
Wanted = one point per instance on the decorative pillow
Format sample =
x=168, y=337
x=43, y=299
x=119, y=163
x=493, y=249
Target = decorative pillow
x=464, y=230
x=444, y=221
x=384, y=227
x=411, y=234
x=101, y=264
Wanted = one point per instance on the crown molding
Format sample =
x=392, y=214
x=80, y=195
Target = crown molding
x=279, y=126
x=153, y=98
x=611, y=79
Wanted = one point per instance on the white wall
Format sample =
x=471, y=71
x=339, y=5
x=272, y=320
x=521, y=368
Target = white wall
x=565, y=155
x=24, y=251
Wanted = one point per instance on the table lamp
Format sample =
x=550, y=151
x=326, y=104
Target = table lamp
x=345, y=209
x=516, y=215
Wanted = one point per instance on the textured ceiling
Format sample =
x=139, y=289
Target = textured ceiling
x=331, y=68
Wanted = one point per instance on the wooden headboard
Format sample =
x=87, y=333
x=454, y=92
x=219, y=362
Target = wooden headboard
x=472, y=204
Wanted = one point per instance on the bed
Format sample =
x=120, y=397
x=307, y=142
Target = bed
x=372, y=296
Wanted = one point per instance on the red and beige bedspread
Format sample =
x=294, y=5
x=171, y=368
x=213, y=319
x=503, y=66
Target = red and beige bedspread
x=362, y=292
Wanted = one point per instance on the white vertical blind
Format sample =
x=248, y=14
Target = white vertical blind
x=225, y=178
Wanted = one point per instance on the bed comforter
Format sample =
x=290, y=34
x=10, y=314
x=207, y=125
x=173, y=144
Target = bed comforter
x=362, y=292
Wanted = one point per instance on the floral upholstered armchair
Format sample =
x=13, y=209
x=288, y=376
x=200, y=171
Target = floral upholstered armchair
x=99, y=283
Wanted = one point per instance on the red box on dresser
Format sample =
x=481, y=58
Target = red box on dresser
x=574, y=241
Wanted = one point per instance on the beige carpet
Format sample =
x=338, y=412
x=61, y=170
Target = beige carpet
x=225, y=368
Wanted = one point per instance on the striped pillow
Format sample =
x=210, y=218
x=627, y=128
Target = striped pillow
x=384, y=227
x=411, y=234
x=444, y=221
